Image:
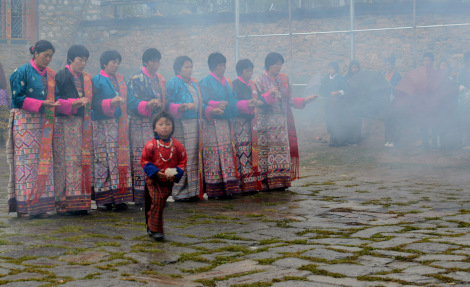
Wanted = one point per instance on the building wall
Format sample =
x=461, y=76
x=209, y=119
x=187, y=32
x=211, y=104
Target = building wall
x=58, y=22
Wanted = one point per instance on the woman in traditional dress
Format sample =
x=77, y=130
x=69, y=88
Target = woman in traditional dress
x=113, y=180
x=353, y=115
x=148, y=98
x=73, y=135
x=30, y=144
x=219, y=106
x=392, y=76
x=277, y=139
x=5, y=105
x=184, y=104
x=244, y=128
x=332, y=88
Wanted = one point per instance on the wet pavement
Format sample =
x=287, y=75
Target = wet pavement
x=359, y=216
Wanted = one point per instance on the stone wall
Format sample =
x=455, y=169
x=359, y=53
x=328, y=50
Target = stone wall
x=59, y=19
x=311, y=53
x=57, y=22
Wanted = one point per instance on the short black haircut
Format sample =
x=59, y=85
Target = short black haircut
x=449, y=68
x=77, y=51
x=166, y=115
x=243, y=65
x=108, y=56
x=41, y=46
x=215, y=59
x=272, y=59
x=335, y=66
x=354, y=63
x=179, y=63
x=151, y=54
x=429, y=55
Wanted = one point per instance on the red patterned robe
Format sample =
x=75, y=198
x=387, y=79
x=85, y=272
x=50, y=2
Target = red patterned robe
x=155, y=158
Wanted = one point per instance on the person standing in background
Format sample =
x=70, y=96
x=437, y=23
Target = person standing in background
x=73, y=135
x=33, y=90
x=147, y=100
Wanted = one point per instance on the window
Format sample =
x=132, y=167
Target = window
x=18, y=20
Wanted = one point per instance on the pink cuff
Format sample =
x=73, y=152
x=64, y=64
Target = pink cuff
x=107, y=109
x=142, y=109
x=32, y=105
x=243, y=107
x=65, y=107
x=268, y=99
x=208, y=113
x=298, y=103
x=214, y=104
x=174, y=111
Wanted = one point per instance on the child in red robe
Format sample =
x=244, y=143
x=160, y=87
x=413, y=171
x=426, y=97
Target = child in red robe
x=163, y=160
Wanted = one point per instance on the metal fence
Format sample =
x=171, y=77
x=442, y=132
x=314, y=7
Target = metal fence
x=292, y=4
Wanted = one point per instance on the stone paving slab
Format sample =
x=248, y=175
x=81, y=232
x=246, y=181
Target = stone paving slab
x=326, y=254
x=368, y=232
x=407, y=218
x=429, y=247
x=353, y=270
x=441, y=257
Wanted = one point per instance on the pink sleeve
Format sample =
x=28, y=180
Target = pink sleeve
x=65, y=107
x=243, y=107
x=174, y=111
x=214, y=104
x=208, y=113
x=32, y=105
x=268, y=99
x=298, y=103
x=107, y=109
x=142, y=109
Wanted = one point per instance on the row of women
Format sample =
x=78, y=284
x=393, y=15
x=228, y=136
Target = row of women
x=71, y=133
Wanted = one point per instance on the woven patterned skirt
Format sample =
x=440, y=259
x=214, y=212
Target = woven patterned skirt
x=274, y=152
x=23, y=148
x=220, y=172
x=68, y=176
x=105, y=147
x=141, y=132
x=242, y=133
x=187, y=132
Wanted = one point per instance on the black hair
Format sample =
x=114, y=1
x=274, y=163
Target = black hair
x=151, y=54
x=449, y=69
x=108, y=56
x=429, y=55
x=351, y=64
x=466, y=56
x=335, y=66
x=215, y=59
x=243, y=65
x=41, y=46
x=179, y=63
x=272, y=59
x=77, y=51
x=166, y=115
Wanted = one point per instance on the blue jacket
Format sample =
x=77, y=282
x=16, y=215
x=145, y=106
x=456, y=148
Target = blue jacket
x=103, y=89
x=213, y=90
x=26, y=82
x=178, y=93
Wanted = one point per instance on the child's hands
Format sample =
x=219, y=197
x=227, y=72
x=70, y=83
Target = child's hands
x=171, y=178
x=161, y=175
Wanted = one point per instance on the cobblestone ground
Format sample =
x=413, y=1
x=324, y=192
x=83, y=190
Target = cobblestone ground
x=358, y=217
